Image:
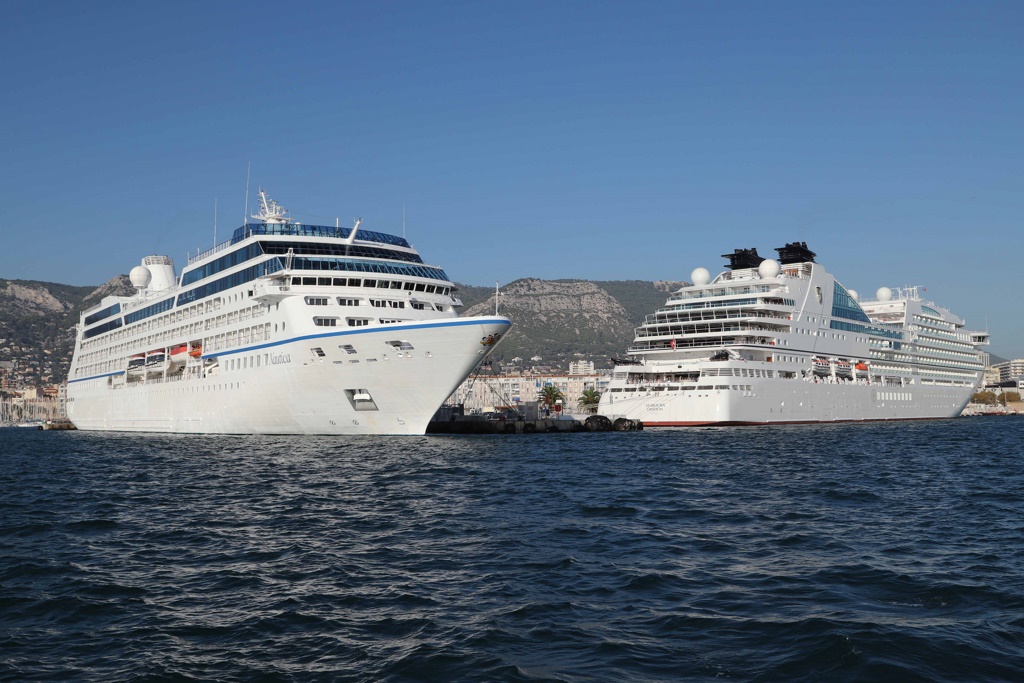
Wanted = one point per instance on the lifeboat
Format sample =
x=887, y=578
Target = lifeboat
x=861, y=366
x=843, y=368
x=179, y=353
x=821, y=366
x=136, y=362
x=197, y=351
x=156, y=357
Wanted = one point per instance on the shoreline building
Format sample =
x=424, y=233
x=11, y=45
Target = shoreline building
x=513, y=389
x=1009, y=371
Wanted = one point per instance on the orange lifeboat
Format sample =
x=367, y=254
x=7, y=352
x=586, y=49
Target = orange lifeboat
x=179, y=353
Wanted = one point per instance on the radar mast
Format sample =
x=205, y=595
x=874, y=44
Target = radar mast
x=271, y=213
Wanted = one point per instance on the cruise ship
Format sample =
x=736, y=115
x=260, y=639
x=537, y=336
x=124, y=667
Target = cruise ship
x=286, y=328
x=783, y=341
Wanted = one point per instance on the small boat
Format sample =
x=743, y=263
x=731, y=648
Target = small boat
x=821, y=366
x=156, y=357
x=197, y=351
x=843, y=368
x=136, y=362
x=861, y=366
x=179, y=353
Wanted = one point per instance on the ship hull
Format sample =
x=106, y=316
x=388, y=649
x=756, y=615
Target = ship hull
x=307, y=385
x=785, y=402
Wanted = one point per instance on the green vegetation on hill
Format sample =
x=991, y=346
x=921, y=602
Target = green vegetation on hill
x=565, y=320
x=37, y=326
x=639, y=297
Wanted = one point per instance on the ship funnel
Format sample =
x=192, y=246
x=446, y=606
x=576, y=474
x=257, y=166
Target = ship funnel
x=161, y=269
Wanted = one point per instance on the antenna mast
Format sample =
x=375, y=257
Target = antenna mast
x=403, y=220
x=214, y=221
x=245, y=215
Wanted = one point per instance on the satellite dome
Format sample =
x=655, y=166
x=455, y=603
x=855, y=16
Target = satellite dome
x=768, y=268
x=884, y=294
x=140, y=277
x=700, y=276
x=853, y=294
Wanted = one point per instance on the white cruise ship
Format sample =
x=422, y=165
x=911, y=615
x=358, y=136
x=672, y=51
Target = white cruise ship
x=770, y=341
x=283, y=329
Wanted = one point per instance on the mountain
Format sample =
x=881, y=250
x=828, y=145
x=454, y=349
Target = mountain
x=565, y=320
x=37, y=325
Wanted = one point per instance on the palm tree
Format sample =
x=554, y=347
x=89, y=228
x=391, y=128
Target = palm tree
x=589, y=400
x=550, y=396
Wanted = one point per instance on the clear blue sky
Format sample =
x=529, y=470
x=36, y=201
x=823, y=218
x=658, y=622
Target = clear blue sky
x=597, y=140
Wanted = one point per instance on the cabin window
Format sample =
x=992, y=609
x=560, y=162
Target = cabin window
x=309, y=280
x=358, y=322
x=318, y=352
x=325, y=322
x=348, y=302
x=347, y=348
x=316, y=300
x=401, y=345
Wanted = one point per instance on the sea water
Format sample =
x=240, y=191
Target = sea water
x=851, y=552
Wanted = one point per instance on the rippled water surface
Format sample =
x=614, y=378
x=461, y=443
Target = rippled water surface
x=879, y=552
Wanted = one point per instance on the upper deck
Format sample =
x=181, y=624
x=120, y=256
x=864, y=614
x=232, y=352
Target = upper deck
x=298, y=230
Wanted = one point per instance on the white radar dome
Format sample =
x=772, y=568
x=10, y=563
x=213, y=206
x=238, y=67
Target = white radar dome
x=700, y=276
x=853, y=294
x=884, y=294
x=140, y=277
x=768, y=268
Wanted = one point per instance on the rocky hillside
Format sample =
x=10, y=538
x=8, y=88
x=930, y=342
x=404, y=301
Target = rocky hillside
x=37, y=322
x=564, y=320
